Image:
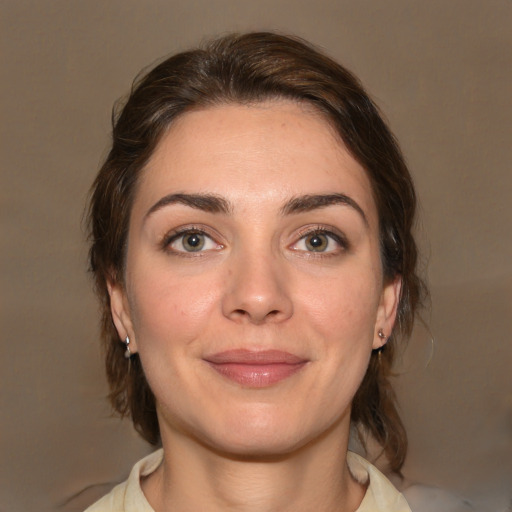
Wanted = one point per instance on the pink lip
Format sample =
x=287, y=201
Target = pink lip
x=256, y=369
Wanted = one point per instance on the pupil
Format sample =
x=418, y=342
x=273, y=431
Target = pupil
x=317, y=242
x=193, y=242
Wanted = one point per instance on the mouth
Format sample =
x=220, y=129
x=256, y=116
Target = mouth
x=256, y=369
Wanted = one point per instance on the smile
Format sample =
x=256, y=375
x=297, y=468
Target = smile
x=256, y=369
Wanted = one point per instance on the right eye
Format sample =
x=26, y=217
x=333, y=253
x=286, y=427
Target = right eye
x=191, y=241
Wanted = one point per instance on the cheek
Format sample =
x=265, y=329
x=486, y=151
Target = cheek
x=344, y=306
x=168, y=308
x=344, y=314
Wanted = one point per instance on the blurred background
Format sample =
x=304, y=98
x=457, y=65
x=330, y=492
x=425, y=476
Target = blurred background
x=442, y=73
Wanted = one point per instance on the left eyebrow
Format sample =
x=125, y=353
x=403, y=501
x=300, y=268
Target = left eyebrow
x=205, y=202
x=308, y=203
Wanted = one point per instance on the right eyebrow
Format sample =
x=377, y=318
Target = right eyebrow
x=312, y=202
x=205, y=202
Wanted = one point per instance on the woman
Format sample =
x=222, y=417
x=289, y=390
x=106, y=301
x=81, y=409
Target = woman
x=251, y=243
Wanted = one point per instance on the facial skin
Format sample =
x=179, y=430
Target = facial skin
x=271, y=273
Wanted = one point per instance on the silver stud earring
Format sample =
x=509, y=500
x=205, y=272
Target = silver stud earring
x=127, y=352
x=381, y=335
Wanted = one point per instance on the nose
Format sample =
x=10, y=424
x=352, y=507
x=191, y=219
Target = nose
x=257, y=291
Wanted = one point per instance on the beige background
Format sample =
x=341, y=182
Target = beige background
x=442, y=73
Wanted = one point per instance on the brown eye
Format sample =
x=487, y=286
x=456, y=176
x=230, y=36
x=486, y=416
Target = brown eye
x=317, y=242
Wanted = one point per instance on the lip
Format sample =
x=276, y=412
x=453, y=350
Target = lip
x=256, y=369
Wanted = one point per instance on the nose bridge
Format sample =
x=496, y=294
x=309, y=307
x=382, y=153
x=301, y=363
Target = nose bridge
x=257, y=290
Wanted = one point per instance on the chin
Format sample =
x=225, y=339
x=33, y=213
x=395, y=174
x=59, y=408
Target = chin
x=264, y=447
x=263, y=438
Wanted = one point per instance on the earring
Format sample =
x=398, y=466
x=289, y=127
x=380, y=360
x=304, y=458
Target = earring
x=379, y=350
x=127, y=352
x=383, y=337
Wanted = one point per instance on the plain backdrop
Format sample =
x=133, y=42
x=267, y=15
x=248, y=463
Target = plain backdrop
x=441, y=70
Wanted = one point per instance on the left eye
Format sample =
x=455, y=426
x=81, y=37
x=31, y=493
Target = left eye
x=318, y=241
x=192, y=241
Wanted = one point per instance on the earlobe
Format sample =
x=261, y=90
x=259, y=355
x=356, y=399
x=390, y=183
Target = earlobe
x=120, y=312
x=386, y=314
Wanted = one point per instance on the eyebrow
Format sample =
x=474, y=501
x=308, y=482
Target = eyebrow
x=205, y=202
x=216, y=204
x=308, y=203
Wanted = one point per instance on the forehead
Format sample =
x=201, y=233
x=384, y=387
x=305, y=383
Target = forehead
x=252, y=154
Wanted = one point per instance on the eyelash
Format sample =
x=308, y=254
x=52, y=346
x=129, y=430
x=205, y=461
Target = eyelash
x=338, y=238
x=175, y=235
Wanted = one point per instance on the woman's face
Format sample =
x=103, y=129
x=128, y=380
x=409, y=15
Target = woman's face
x=253, y=287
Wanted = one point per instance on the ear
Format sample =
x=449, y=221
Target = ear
x=386, y=312
x=121, y=316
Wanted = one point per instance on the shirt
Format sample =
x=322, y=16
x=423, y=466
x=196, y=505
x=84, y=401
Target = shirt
x=381, y=495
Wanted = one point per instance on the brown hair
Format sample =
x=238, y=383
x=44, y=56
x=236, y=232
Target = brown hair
x=242, y=69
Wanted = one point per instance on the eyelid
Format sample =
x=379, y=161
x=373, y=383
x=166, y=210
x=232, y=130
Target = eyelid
x=330, y=231
x=175, y=233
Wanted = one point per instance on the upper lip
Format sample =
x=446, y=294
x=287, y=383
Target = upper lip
x=255, y=357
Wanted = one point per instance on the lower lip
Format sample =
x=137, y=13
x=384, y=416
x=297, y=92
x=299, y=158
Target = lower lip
x=257, y=375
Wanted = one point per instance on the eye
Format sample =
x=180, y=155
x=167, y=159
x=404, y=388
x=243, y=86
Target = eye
x=320, y=241
x=191, y=241
x=317, y=242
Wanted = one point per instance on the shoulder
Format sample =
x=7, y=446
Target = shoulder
x=381, y=495
x=128, y=496
x=424, y=498
x=112, y=502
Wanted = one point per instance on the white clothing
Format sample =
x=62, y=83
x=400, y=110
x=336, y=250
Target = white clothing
x=381, y=495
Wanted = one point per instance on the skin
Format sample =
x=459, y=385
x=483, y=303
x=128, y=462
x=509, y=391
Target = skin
x=256, y=284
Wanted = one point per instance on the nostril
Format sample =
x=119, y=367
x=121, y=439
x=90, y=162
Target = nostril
x=240, y=313
x=257, y=300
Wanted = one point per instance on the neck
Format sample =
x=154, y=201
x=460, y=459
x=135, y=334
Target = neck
x=195, y=477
